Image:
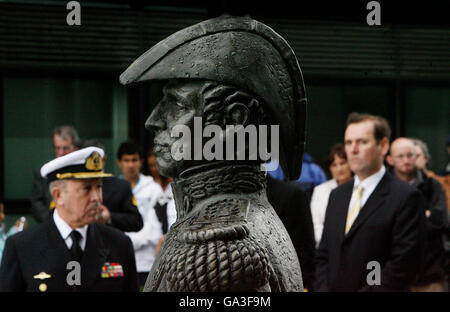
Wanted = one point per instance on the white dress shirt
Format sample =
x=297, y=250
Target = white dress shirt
x=319, y=203
x=147, y=192
x=65, y=230
x=368, y=184
x=171, y=210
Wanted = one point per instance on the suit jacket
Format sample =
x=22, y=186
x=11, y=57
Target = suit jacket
x=389, y=229
x=42, y=249
x=40, y=196
x=117, y=197
x=292, y=207
x=435, y=225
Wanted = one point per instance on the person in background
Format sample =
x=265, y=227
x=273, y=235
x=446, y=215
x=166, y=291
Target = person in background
x=402, y=158
x=119, y=207
x=372, y=220
x=147, y=193
x=20, y=225
x=446, y=170
x=165, y=208
x=65, y=141
x=43, y=257
x=422, y=161
x=340, y=173
x=311, y=176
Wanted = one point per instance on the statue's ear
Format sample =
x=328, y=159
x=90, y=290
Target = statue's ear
x=237, y=114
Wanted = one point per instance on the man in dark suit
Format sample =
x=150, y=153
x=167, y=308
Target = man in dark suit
x=65, y=141
x=292, y=207
x=122, y=206
x=69, y=251
x=374, y=229
x=402, y=158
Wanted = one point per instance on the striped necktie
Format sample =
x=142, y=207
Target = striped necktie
x=353, y=212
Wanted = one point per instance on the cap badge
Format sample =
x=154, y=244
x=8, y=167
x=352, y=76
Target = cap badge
x=94, y=162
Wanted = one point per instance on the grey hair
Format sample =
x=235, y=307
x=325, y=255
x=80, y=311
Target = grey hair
x=423, y=146
x=59, y=183
x=68, y=132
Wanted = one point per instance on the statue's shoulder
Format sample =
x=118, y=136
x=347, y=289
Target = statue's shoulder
x=212, y=249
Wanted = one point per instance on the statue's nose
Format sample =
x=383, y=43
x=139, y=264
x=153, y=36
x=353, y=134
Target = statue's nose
x=155, y=121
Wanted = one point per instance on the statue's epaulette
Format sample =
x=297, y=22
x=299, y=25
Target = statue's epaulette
x=214, y=251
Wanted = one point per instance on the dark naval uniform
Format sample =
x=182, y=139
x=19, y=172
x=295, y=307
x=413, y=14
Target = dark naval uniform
x=70, y=252
x=36, y=260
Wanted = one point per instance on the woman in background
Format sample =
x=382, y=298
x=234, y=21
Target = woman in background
x=340, y=173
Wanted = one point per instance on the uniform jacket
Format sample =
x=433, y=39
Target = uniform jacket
x=389, y=229
x=42, y=249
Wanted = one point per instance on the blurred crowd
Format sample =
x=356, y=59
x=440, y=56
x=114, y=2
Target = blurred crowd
x=380, y=203
x=404, y=159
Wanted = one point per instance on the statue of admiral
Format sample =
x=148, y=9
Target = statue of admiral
x=227, y=237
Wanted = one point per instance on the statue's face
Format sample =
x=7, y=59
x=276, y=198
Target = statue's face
x=180, y=104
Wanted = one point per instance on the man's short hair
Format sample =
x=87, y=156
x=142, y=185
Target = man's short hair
x=68, y=132
x=129, y=148
x=381, y=126
x=60, y=183
x=423, y=146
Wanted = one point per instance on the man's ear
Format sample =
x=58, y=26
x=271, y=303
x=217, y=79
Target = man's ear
x=384, y=143
x=57, y=195
x=237, y=114
x=389, y=160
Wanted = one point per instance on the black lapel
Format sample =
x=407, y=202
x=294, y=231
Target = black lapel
x=375, y=200
x=56, y=242
x=95, y=255
x=54, y=251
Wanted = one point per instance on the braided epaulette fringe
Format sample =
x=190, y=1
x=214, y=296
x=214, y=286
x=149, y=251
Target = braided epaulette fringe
x=214, y=264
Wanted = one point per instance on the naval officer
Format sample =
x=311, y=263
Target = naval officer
x=69, y=251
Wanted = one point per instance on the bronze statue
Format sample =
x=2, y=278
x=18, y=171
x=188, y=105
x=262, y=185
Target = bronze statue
x=227, y=237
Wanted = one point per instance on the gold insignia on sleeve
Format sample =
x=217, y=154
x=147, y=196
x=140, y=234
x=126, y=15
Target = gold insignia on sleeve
x=133, y=201
x=42, y=276
x=94, y=162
